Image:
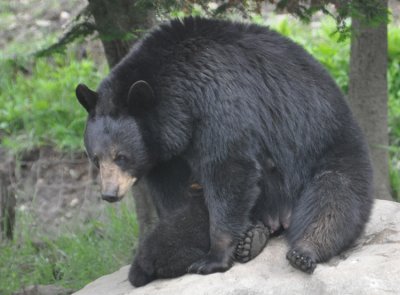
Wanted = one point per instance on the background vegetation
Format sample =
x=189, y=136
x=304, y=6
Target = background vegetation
x=38, y=107
x=72, y=259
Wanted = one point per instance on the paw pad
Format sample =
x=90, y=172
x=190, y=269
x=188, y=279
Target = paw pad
x=252, y=243
x=301, y=261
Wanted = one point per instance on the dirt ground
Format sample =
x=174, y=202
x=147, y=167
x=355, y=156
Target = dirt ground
x=55, y=190
x=31, y=20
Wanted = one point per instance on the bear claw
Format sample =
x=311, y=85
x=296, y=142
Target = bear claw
x=252, y=243
x=301, y=261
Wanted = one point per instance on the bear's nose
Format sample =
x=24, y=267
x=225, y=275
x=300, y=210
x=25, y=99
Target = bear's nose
x=110, y=193
x=110, y=197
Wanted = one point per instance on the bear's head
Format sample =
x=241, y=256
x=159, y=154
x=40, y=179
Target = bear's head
x=113, y=139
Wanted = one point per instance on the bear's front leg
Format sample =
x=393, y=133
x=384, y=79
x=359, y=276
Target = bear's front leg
x=231, y=190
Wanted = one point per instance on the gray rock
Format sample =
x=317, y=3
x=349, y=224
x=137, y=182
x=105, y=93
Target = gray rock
x=44, y=290
x=371, y=267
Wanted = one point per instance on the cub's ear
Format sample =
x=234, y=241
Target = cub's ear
x=87, y=97
x=141, y=97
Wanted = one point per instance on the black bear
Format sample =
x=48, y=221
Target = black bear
x=223, y=99
x=183, y=237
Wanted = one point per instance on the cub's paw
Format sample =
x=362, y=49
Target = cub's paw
x=138, y=276
x=301, y=261
x=252, y=243
x=209, y=264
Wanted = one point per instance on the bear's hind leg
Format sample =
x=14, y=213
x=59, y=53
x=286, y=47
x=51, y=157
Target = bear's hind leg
x=231, y=189
x=330, y=215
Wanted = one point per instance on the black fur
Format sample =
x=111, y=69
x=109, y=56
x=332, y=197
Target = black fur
x=182, y=237
x=173, y=245
x=227, y=98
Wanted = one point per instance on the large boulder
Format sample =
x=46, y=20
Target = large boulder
x=371, y=267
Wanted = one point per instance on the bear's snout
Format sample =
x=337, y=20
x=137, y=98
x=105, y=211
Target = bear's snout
x=114, y=182
x=111, y=199
x=109, y=191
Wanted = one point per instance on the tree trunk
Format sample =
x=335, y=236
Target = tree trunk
x=119, y=24
x=7, y=208
x=368, y=95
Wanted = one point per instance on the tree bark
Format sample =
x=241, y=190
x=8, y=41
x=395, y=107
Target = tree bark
x=368, y=95
x=119, y=24
x=7, y=208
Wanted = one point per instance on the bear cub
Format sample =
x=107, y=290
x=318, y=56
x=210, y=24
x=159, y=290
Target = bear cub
x=177, y=242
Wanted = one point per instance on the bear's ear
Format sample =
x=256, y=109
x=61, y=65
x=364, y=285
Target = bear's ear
x=141, y=97
x=87, y=97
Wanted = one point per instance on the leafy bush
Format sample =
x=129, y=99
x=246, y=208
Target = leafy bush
x=38, y=104
x=394, y=85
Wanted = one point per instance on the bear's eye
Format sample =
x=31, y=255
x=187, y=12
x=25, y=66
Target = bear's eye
x=121, y=159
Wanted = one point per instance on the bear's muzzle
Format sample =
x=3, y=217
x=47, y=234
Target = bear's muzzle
x=114, y=182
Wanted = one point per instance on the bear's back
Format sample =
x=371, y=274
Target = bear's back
x=194, y=53
x=252, y=81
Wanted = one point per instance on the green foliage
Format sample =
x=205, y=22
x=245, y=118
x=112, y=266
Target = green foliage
x=71, y=259
x=371, y=12
x=38, y=104
x=394, y=175
x=394, y=85
x=222, y=9
x=321, y=41
x=394, y=109
x=77, y=32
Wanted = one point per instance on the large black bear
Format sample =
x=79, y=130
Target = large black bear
x=224, y=99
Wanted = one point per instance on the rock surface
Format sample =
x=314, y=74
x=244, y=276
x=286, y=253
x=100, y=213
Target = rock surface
x=44, y=290
x=371, y=267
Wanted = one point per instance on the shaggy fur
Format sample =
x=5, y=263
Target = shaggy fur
x=223, y=98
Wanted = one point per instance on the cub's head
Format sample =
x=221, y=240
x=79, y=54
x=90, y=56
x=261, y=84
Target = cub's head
x=114, y=141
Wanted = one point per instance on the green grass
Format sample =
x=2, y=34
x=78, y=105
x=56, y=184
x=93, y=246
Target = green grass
x=72, y=259
x=38, y=105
